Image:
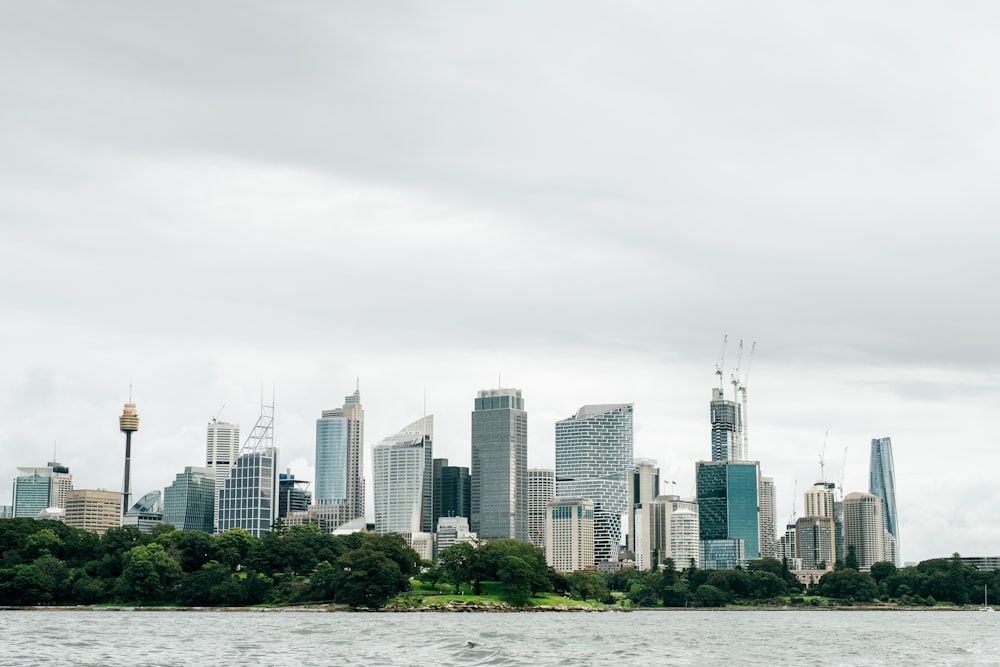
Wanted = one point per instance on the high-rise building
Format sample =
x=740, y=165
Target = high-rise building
x=249, y=499
x=882, y=483
x=292, y=495
x=37, y=489
x=500, y=465
x=643, y=488
x=864, y=528
x=815, y=542
x=222, y=446
x=819, y=500
x=541, y=489
x=670, y=526
x=768, y=518
x=402, y=479
x=569, y=534
x=189, y=501
x=95, y=510
x=728, y=508
x=593, y=457
x=684, y=543
x=452, y=491
x=340, y=484
x=727, y=428
x=450, y=531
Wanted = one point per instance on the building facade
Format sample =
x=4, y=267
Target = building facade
x=249, y=499
x=815, y=542
x=189, y=503
x=864, y=528
x=293, y=495
x=728, y=506
x=882, y=483
x=499, y=470
x=569, y=534
x=593, y=457
x=340, y=483
x=452, y=487
x=95, y=510
x=402, y=479
x=726, y=418
x=37, y=489
x=145, y=513
x=541, y=489
x=642, y=489
x=222, y=446
x=768, y=518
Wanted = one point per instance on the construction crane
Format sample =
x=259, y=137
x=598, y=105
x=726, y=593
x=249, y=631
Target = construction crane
x=722, y=360
x=840, y=485
x=218, y=413
x=795, y=491
x=822, y=471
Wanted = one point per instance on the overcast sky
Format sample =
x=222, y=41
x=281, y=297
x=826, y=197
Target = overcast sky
x=582, y=198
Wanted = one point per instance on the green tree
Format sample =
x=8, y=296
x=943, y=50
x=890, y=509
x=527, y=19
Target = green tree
x=367, y=578
x=848, y=584
x=211, y=585
x=233, y=547
x=457, y=563
x=709, y=596
x=851, y=559
x=766, y=585
x=882, y=570
x=515, y=577
x=150, y=575
x=323, y=582
x=25, y=585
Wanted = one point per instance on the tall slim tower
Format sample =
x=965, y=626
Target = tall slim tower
x=768, y=518
x=340, y=483
x=593, y=457
x=500, y=465
x=541, y=490
x=643, y=488
x=864, y=528
x=882, y=483
x=129, y=424
x=222, y=446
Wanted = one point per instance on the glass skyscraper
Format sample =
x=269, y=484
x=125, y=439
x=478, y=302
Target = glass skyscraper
x=340, y=483
x=452, y=491
x=593, y=457
x=728, y=503
x=727, y=428
x=249, y=500
x=499, y=505
x=882, y=483
x=189, y=502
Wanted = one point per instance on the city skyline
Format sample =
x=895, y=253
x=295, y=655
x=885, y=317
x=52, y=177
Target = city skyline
x=591, y=212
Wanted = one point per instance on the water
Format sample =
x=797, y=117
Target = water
x=637, y=638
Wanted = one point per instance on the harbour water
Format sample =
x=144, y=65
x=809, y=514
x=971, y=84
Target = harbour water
x=679, y=637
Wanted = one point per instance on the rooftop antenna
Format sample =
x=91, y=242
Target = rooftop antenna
x=54, y=443
x=499, y=383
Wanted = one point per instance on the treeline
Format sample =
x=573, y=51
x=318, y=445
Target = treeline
x=47, y=562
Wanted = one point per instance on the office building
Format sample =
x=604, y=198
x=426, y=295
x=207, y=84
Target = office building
x=339, y=492
x=499, y=468
x=541, y=489
x=452, y=530
x=669, y=526
x=222, y=446
x=593, y=457
x=145, y=513
x=569, y=534
x=819, y=500
x=293, y=495
x=37, y=489
x=249, y=499
x=452, y=491
x=728, y=508
x=864, y=528
x=95, y=510
x=642, y=489
x=768, y=518
x=815, y=542
x=189, y=503
x=723, y=554
x=882, y=483
x=402, y=479
x=684, y=541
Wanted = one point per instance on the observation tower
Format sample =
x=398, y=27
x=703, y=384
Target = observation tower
x=129, y=424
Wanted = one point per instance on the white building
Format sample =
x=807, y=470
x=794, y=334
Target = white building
x=569, y=534
x=452, y=530
x=864, y=528
x=768, y=518
x=402, y=471
x=222, y=447
x=541, y=489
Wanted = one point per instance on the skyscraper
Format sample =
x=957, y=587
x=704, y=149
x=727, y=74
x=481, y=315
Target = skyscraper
x=95, y=510
x=727, y=428
x=292, y=495
x=541, y=489
x=882, y=483
x=340, y=483
x=452, y=491
x=402, y=482
x=768, y=518
x=593, y=456
x=36, y=489
x=222, y=446
x=500, y=465
x=815, y=542
x=643, y=488
x=189, y=503
x=249, y=499
x=728, y=509
x=864, y=528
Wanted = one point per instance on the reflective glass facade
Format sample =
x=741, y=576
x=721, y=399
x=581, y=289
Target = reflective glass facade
x=189, y=502
x=882, y=482
x=249, y=498
x=499, y=470
x=728, y=503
